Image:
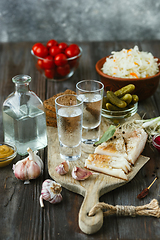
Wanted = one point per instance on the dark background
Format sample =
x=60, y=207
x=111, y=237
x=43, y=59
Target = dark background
x=79, y=20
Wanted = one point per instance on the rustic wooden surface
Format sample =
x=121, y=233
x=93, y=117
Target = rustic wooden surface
x=21, y=216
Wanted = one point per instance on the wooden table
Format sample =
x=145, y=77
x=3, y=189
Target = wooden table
x=21, y=216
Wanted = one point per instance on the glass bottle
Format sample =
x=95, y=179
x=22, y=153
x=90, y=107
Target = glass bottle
x=24, y=119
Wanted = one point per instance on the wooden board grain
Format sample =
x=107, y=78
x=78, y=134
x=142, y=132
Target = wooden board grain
x=93, y=187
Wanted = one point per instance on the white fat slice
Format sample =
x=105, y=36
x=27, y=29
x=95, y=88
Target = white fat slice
x=114, y=147
x=135, y=144
x=119, y=162
x=105, y=164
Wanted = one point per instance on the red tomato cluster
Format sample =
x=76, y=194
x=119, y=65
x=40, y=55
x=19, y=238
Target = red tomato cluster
x=54, y=58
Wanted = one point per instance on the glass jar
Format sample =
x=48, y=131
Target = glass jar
x=24, y=119
x=120, y=116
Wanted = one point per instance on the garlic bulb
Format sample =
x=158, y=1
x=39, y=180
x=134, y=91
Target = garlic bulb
x=51, y=191
x=62, y=168
x=80, y=174
x=28, y=168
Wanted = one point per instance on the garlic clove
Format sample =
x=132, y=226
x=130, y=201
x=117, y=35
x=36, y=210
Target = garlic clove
x=33, y=156
x=62, y=168
x=28, y=168
x=33, y=169
x=80, y=174
x=51, y=192
x=56, y=199
x=20, y=170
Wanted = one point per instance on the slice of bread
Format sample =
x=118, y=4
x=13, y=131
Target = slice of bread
x=50, y=103
x=50, y=113
x=52, y=122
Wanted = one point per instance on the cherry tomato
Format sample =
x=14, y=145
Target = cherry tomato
x=40, y=63
x=72, y=50
x=35, y=46
x=48, y=62
x=63, y=70
x=54, y=51
x=62, y=46
x=49, y=73
x=60, y=59
x=51, y=43
x=41, y=51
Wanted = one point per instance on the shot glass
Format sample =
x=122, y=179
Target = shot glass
x=69, y=112
x=91, y=93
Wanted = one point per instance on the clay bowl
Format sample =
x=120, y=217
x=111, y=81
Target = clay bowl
x=144, y=87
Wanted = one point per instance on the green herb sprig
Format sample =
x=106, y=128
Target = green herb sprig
x=107, y=135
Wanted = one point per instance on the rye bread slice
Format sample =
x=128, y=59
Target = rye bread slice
x=52, y=122
x=50, y=103
x=50, y=113
x=50, y=109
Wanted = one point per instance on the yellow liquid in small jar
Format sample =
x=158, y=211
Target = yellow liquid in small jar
x=5, y=151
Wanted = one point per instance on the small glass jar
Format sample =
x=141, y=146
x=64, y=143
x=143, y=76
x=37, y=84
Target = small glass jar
x=4, y=159
x=118, y=117
x=24, y=119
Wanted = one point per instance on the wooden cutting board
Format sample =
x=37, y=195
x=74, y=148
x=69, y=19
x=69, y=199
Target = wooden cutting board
x=93, y=187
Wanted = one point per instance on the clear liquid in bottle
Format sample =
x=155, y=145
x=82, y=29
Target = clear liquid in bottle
x=24, y=120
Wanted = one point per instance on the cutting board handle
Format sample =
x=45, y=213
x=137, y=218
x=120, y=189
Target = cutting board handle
x=88, y=224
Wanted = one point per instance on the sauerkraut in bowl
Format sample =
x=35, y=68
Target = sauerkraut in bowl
x=130, y=63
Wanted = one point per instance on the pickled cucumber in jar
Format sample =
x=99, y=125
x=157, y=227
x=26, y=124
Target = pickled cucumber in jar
x=121, y=99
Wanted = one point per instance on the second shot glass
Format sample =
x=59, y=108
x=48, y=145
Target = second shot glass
x=91, y=93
